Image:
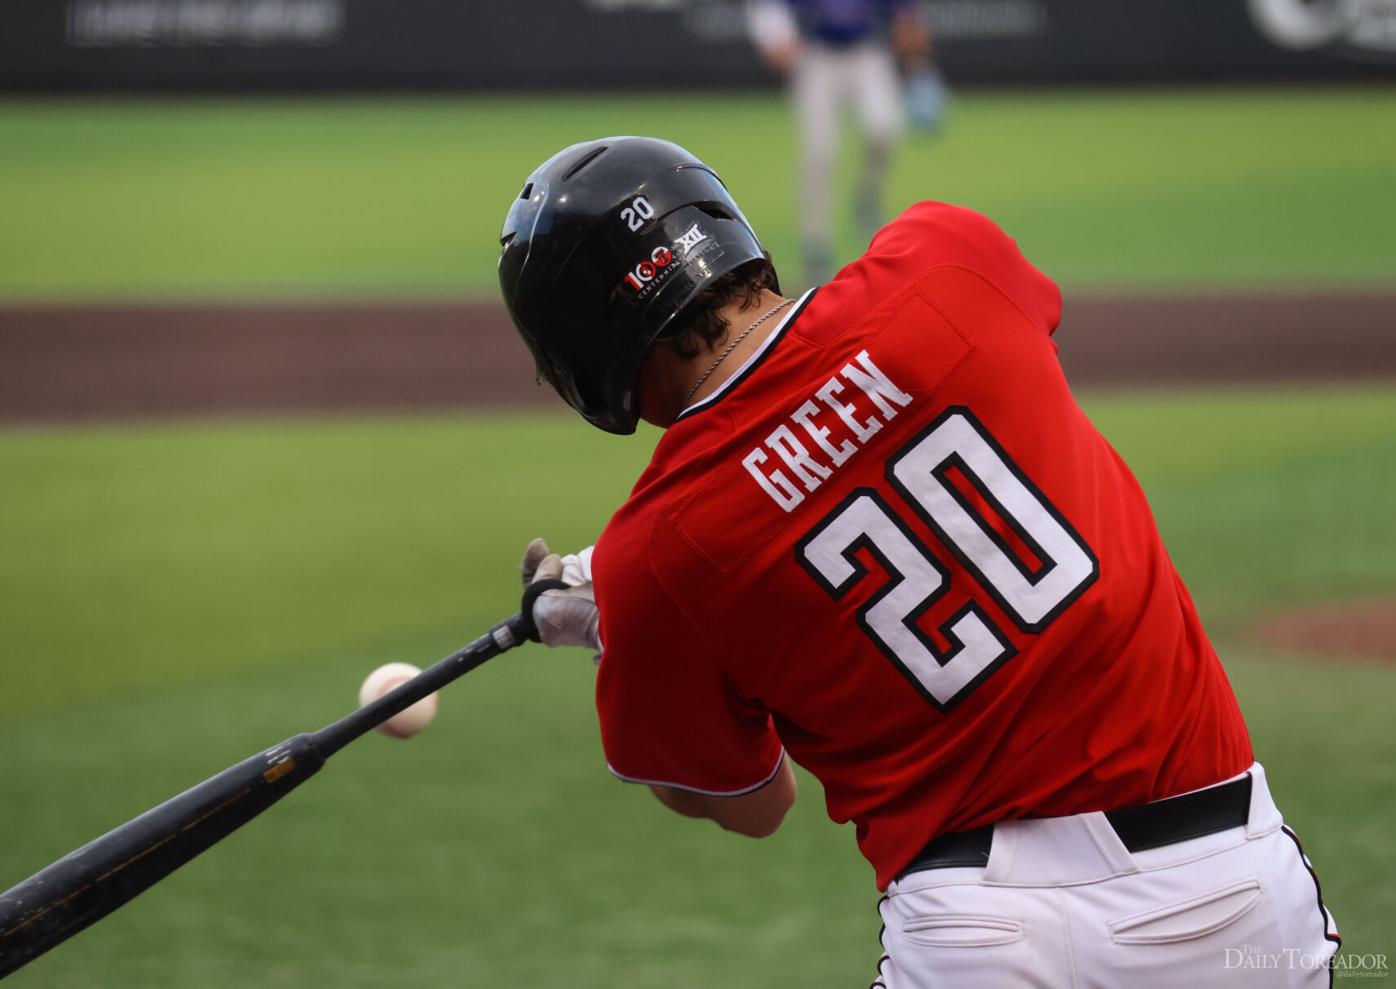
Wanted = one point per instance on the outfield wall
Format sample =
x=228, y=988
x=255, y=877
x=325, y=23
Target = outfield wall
x=241, y=45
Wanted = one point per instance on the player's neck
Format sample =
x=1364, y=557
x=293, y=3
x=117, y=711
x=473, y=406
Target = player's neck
x=669, y=383
x=718, y=368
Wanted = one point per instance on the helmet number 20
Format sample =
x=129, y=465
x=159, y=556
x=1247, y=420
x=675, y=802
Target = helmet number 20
x=1032, y=593
x=637, y=213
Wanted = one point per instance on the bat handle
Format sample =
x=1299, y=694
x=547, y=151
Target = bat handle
x=504, y=636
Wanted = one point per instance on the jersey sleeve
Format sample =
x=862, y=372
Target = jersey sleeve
x=669, y=714
x=931, y=234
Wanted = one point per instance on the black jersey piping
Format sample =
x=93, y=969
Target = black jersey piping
x=767, y=347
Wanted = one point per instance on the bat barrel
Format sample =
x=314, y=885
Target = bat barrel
x=89, y=883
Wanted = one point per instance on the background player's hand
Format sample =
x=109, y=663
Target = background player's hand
x=911, y=39
x=564, y=616
x=775, y=33
x=782, y=57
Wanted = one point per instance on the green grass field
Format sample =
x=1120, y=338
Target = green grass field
x=174, y=597
x=1202, y=187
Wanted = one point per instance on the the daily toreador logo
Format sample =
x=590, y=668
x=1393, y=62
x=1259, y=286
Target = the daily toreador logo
x=644, y=274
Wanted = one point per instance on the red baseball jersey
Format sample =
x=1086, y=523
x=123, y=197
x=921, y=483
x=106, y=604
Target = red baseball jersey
x=893, y=546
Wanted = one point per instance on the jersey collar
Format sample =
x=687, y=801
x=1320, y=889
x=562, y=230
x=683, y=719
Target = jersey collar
x=752, y=362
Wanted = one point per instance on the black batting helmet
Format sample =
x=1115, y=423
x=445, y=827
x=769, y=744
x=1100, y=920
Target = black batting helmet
x=605, y=245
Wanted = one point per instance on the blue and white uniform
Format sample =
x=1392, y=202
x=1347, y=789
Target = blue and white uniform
x=844, y=58
x=839, y=23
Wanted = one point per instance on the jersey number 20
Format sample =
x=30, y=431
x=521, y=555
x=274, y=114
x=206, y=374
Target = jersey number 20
x=1032, y=595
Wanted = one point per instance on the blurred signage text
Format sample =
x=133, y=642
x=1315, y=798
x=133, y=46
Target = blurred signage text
x=963, y=20
x=372, y=45
x=124, y=23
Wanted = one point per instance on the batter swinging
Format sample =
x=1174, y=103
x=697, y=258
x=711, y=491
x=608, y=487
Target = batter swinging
x=880, y=537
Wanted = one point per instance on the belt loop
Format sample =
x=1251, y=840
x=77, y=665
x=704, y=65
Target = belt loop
x=1264, y=817
x=1002, y=854
x=1107, y=840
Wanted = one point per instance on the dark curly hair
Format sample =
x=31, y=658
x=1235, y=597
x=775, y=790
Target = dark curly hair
x=700, y=327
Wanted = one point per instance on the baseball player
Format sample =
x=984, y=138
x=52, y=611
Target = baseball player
x=880, y=538
x=836, y=53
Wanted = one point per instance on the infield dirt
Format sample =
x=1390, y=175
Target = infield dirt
x=1364, y=629
x=93, y=363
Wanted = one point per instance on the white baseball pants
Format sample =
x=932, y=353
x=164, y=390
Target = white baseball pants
x=1062, y=904
x=826, y=80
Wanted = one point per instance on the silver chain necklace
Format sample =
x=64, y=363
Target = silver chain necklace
x=731, y=347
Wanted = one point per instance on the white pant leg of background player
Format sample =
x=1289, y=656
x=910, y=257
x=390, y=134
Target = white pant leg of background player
x=1063, y=903
x=818, y=84
x=877, y=99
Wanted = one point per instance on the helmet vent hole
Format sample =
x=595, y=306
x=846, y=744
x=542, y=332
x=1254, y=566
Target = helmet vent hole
x=527, y=190
x=585, y=160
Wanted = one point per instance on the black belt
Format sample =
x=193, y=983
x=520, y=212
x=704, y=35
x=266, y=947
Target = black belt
x=1153, y=825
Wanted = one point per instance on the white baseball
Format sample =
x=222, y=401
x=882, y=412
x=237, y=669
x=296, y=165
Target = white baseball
x=405, y=723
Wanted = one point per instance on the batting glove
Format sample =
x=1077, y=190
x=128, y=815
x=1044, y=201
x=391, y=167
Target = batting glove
x=565, y=613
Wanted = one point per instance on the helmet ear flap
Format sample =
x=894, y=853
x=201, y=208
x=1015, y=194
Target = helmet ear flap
x=588, y=391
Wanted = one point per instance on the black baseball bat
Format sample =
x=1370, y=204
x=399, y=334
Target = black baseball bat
x=84, y=886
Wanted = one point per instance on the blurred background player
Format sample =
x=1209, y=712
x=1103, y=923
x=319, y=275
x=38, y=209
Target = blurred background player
x=838, y=53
